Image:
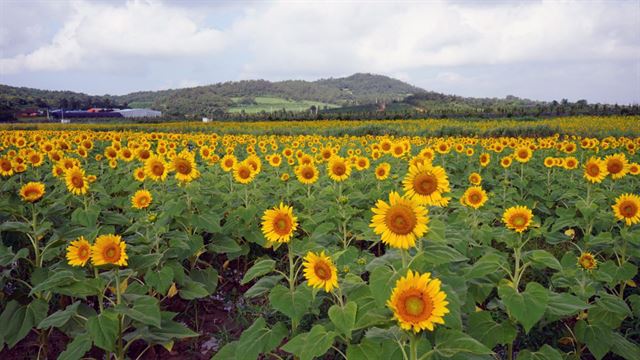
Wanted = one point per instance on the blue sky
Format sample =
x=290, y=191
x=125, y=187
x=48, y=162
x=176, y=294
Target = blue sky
x=536, y=49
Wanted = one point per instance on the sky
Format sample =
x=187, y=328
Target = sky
x=542, y=50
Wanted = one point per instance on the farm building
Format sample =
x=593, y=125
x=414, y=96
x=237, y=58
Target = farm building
x=105, y=113
x=129, y=113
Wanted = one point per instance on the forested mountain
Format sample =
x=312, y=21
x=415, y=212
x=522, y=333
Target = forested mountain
x=356, y=96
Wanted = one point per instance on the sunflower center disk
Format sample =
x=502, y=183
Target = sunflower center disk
x=425, y=184
x=322, y=271
x=158, y=169
x=77, y=181
x=339, y=170
x=615, y=167
x=628, y=209
x=110, y=253
x=414, y=306
x=401, y=220
x=519, y=221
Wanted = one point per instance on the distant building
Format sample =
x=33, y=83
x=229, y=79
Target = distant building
x=137, y=113
x=105, y=113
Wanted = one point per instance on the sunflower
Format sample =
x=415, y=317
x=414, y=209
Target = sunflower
x=320, y=271
x=425, y=184
x=362, y=163
x=243, y=173
x=284, y=177
x=517, y=218
x=595, y=170
x=587, y=261
x=32, y=191
x=627, y=208
x=485, y=159
x=634, y=168
x=549, y=161
x=78, y=252
x=109, y=249
x=76, y=181
x=275, y=160
x=570, y=163
x=400, y=222
x=6, y=166
x=141, y=199
x=474, y=197
x=523, y=154
x=279, y=224
x=475, y=178
x=338, y=168
x=139, y=174
x=506, y=161
x=417, y=302
x=36, y=159
x=184, y=165
x=617, y=165
x=227, y=162
x=307, y=174
x=156, y=168
x=382, y=171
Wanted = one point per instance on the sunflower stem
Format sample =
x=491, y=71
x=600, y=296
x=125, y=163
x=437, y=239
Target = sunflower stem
x=120, y=354
x=413, y=347
x=101, y=293
x=292, y=283
x=405, y=258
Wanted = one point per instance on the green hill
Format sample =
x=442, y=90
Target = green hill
x=356, y=96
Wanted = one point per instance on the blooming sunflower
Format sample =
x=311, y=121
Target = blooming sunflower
x=475, y=178
x=227, y=162
x=485, y=159
x=425, y=184
x=243, y=172
x=109, y=249
x=506, y=161
x=417, y=302
x=523, y=154
x=139, y=174
x=156, y=168
x=595, y=170
x=570, y=163
x=6, y=166
x=78, y=252
x=76, y=181
x=338, y=169
x=549, y=161
x=400, y=222
x=279, y=224
x=320, y=271
x=32, y=191
x=382, y=171
x=184, y=165
x=307, y=174
x=474, y=197
x=627, y=208
x=587, y=261
x=141, y=199
x=617, y=165
x=517, y=218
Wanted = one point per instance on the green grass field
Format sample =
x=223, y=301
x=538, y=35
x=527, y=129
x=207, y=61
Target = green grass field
x=271, y=104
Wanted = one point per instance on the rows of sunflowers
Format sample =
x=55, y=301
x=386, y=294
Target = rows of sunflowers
x=351, y=247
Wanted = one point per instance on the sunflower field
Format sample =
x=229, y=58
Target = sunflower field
x=218, y=243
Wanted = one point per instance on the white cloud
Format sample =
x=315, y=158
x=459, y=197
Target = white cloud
x=385, y=37
x=100, y=34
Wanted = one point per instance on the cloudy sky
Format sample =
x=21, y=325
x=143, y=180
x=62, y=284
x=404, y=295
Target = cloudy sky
x=536, y=49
